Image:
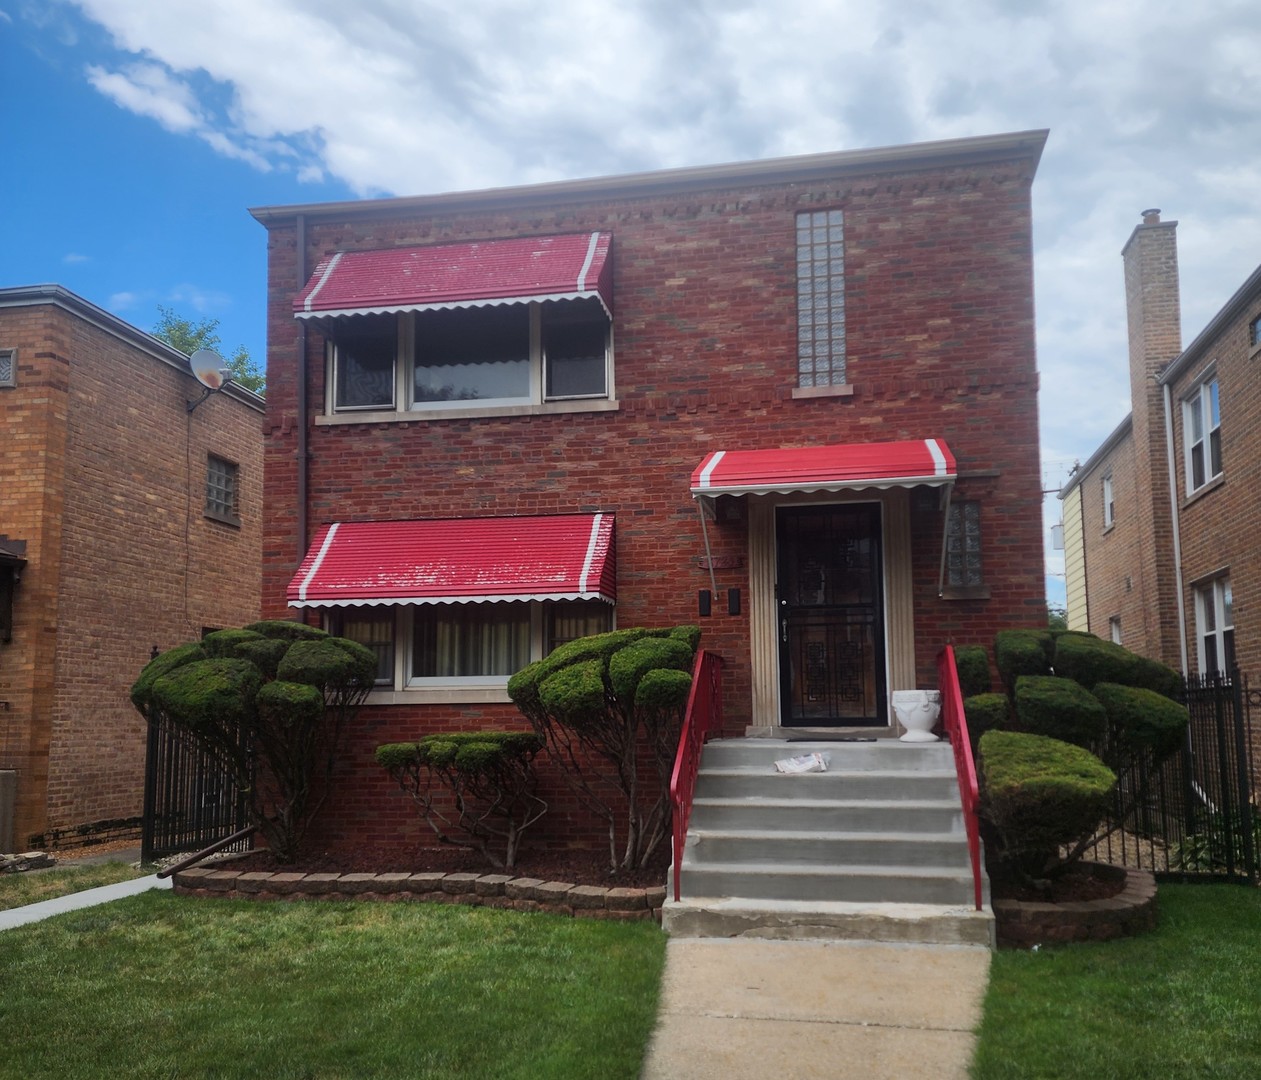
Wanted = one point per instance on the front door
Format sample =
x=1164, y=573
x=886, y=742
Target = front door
x=831, y=626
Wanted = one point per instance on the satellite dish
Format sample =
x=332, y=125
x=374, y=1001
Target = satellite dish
x=210, y=370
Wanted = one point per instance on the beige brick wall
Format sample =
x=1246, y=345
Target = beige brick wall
x=121, y=555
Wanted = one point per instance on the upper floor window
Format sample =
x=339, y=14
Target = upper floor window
x=222, y=483
x=8, y=367
x=821, y=298
x=1215, y=626
x=506, y=354
x=1201, y=413
x=1114, y=629
x=1109, y=507
x=1254, y=332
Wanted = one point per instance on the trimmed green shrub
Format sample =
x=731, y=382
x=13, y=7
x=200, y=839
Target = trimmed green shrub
x=1091, y=660
x=209, y=692
x=1060, y=709
x=490, y=782
x=604, y=702
x=1040, y=794
x=286, y=630
x=1022, y=652
x=278, y=738
x=973, y=665
x=142, y=688
x=1140, y=720
x=985, y=712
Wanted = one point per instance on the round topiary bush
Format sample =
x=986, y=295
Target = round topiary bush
x=1022, y=652
x=985, y=712
x=973, y=665
x=1040, y=794
x=1060, y=709
x=1090, y=660
x=1140, y=720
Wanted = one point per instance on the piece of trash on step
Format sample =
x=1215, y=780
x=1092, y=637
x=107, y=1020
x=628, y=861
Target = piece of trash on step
x=803, y=763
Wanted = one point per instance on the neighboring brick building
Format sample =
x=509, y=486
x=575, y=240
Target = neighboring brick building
x=126, y=522
x=545, y=374
x=1194, y=427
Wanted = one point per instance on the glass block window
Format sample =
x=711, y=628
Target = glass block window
x=221, y=490
x=8, y=367
x=963, y=545
x=820, y=298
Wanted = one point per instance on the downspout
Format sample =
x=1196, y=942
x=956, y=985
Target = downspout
x=302, y=405
x=1177, y=532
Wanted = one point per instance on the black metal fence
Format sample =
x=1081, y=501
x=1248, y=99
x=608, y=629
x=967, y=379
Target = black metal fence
x=1195, y=817
x=190, y=799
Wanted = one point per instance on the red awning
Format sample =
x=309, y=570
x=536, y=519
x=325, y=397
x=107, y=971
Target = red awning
x=474, y=274
x=355, y=563
x=825, y=468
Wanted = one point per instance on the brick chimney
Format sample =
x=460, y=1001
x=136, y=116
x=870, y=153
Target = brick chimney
x=1154, y=317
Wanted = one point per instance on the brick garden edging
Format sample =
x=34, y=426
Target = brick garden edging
x=1021, y=924
x=478, y=890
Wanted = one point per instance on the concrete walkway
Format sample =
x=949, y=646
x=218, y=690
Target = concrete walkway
x=46, y=909
x=736, y=1008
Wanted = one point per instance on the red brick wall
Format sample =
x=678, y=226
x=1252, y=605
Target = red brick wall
x=124, y=559
x=939, y=306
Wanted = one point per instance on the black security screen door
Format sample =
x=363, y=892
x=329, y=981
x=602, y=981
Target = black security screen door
x=831, y=627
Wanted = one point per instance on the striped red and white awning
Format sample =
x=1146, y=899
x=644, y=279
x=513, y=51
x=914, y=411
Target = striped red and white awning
x=453, y=561
x=850, y=466
x=474, y=274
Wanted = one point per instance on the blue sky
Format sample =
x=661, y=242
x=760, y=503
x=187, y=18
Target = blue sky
x=138, y=133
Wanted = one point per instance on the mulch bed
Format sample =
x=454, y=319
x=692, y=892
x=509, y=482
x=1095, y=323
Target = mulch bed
x=1078, y=883
x=573, y=867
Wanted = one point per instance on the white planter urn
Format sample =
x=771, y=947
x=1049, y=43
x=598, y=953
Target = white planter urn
x=917, y=711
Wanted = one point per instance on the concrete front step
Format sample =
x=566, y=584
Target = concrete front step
x=932, y=924
x=815, y=884
x=758, y=782
x=828, y=815
x=831, y=849
x=851, y=756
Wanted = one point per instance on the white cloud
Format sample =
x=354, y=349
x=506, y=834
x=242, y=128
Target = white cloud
x=123, y=301
x=1149, y=102
x=73, y=258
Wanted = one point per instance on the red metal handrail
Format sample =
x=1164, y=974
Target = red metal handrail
x=702, y=719
x=956, y=725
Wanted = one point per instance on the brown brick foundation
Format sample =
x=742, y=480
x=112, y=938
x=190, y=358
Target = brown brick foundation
x=1022, y=924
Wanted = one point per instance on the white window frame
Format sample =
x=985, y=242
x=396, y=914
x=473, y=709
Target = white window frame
x=404, y=407
x=1114, y=629
x=1214, y=621
x=1109, y=505
x=406, y=688
x=1197, y=412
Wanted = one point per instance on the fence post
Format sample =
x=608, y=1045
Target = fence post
x=1242, y=755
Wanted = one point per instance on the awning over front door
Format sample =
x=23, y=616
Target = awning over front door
x=846, y=467
x=469, y=560
x=474, y=274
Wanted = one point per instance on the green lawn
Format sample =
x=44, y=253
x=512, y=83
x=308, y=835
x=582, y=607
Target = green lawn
x=165, y=986
x=30, y=887
x=1182, y=1002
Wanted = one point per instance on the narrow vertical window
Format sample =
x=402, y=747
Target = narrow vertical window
x=963, y=545
x=821, y=298
x=1109, y=508
x=8, y=367
x=1202, y=434
x=222, y=482
x=1114, y=629
x=1215, y=626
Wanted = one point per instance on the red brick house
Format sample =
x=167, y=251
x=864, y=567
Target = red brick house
x=794, y=401
x=1166, y=555
x=127, y=521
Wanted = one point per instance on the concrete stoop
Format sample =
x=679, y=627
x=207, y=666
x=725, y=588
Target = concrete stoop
x=872, y=849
